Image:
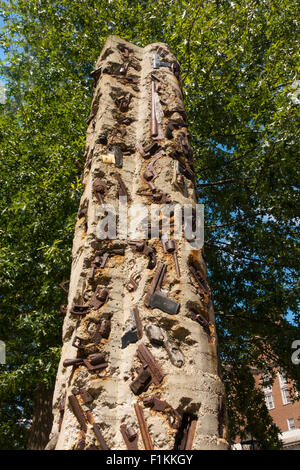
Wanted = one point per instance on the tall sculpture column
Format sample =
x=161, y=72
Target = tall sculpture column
x=139, y=366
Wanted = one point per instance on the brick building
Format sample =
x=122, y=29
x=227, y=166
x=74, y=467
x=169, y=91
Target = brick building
x=283, y=409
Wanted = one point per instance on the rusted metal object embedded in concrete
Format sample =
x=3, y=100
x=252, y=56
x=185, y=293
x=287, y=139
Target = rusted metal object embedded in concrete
x=155, y=298
x=143, y=247
x=143, y=427
x=130, y=437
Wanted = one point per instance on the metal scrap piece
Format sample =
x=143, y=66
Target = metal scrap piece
x=78, y=412
x=155, y=298
x=147, y=358
x=142, y=381
x=99, y=297
x=133, y=284
x=143, y=247
x=86, y=396
x=97, y=431
x=130, y=437
x=138, y=323
x=100, y=189
x=143, y=427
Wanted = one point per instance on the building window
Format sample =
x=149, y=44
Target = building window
x=291, y=424
x=285, y=396
x=269, y=401
x=284, y=389
x=282, y=380
x=266, y=382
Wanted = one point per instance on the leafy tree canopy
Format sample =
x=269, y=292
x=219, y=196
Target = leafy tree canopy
x=239, y=65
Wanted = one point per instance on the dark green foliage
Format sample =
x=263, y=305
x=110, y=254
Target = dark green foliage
x=239, y=64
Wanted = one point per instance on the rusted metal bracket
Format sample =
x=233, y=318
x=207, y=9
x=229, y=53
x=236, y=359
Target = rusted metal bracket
x=183, y=169
x=143, y=427
x=105, y=328
x=149, y=176
x=79, y=309
x=158, y=79
x=155, y=403
x=99, y=297
x=143, y=247
x=130, y=437
x=73, y=362
x=96, y=337
x=101, y=260
x=95, y=362
x=117, y=70
x=184, y=145
x=191, y=434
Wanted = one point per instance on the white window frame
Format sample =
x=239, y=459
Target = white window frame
x=289, y=426
x=267, y=389
x=285, y=393
x=282, y=380
x=269, y=395
x=286, y=400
